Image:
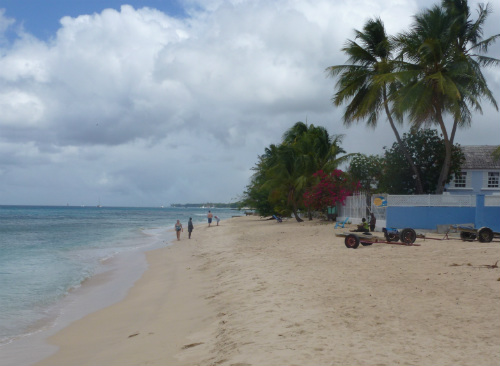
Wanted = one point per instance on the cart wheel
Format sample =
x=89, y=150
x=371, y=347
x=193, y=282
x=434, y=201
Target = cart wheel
x=485, y=235
x=351, y=241
x=391, y=237
x=408, y=236
x=465, y=236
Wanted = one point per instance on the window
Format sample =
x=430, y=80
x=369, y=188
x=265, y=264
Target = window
x=460, y=180
x=493, y=180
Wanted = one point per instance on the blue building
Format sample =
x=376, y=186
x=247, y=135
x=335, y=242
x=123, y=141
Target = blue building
x=480, y=173
x=472, y=197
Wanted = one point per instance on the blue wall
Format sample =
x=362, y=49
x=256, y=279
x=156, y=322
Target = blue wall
x=430, y=217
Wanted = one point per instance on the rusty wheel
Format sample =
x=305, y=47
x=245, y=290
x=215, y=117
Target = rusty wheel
x=351, y=241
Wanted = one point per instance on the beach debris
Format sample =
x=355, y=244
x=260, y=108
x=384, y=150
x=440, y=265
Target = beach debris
x=133, y=335
x=490, y=266
x=191, y=345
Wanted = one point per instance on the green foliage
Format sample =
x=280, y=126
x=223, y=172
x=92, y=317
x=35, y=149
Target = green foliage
x=367, y=170
x=368, y=84
x=427, y=150
x=285, y=171
x=440, y=70
x=363, y=83
x=436, y=72
x=431, y=71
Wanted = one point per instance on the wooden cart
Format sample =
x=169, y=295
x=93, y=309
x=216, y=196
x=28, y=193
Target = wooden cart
x=407, y=236
x=483, y=234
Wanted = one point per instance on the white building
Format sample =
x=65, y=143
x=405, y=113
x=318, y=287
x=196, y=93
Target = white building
x=480, y=172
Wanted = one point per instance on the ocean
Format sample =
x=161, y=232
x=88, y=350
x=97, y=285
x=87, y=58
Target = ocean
x=47, y=253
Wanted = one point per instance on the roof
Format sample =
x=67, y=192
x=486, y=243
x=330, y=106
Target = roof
x=480, y=157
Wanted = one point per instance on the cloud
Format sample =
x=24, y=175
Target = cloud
x=141, y=108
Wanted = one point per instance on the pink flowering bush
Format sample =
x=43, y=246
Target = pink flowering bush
x=330, y=189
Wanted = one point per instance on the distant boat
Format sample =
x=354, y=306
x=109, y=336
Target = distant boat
x=99, y=204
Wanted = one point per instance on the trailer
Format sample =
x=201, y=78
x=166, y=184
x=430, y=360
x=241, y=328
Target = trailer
x=407, y=236
x=483, y=234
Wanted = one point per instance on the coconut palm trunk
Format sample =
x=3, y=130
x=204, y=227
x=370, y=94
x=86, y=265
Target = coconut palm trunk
x=293, y=202
x=445, y=170
x=418, y=182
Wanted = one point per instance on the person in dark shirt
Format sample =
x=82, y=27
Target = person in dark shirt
x=190, y=227
x=373, y=221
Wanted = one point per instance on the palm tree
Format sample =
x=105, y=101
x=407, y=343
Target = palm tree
x=319, y=150
x=440, y=75
x=305, y=150
x=285, y=171
x=467, y=37
x=368, y=83
x=257, y=193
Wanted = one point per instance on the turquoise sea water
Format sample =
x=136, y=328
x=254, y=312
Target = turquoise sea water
x=46, y=252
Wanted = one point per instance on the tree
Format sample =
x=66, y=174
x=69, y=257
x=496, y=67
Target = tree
x=285, y=171
x=317, y=149
x=256, y=194
x=427, y=150
x=286, y=179
x=368, y=83
x=304, y=150
x=331, y=188
x=367, y=169
x=440, y=74
x=467, y=35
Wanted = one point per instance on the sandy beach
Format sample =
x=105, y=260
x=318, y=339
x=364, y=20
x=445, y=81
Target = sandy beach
x=257, y=292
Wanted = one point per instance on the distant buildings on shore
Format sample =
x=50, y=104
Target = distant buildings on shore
x=206, y=205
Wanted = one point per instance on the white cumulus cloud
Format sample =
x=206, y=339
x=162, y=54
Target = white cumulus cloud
x=141, y=108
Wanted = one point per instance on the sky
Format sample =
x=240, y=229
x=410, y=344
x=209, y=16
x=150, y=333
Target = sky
x=148, y=103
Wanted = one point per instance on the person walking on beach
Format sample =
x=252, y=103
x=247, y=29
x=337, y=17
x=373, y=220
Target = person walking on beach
x=209, y=216
x=190, y=227
x=217, y=219
x=178, y=229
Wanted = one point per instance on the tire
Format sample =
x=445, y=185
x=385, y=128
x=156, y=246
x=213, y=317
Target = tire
x=351, y=241
x=466, y=236
x=391, y=236
x=485, y=235
x=408, y=236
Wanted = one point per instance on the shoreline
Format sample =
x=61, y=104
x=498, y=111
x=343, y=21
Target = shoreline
x=115, y=335
x=254, y=292
x=109, y=285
